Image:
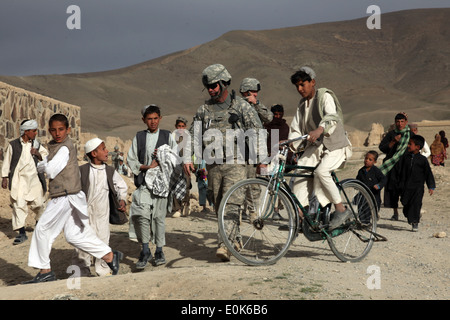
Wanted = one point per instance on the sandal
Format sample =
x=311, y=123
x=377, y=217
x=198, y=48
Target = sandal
x=20, y=239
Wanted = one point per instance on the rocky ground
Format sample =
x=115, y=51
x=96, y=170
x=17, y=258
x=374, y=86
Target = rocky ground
x=410, y=265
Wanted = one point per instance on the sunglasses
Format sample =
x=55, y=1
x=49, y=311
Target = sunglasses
x=211, y=86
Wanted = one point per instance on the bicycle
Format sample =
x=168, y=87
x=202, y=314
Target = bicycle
x=254, y=237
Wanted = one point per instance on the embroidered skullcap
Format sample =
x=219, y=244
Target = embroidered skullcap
x=28, y=125
x=182, y=119
x=92, y=144
x=401, y=115
x=310, y=72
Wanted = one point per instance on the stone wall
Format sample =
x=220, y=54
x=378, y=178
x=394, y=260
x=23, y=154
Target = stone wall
x=17, y=104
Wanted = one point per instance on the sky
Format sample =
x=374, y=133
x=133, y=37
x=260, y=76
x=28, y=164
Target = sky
x=40, y=37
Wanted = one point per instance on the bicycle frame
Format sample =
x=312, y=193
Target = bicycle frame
x=279, y=176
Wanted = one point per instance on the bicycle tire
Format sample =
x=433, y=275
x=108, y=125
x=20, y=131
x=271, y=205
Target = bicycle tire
x=353, y=241
x=256, y=239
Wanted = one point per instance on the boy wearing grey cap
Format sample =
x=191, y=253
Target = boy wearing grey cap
x=148, y=211
x=320, y=116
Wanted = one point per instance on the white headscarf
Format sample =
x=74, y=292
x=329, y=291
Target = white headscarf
x=28, y=125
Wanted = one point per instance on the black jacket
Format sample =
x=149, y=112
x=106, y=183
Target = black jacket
x=410, y=173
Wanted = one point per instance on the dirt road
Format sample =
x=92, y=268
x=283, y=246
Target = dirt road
x=410, y=265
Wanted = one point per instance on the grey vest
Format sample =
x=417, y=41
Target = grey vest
x=338, y=139
x=84, y=172
x=68, y=180
x=141, y=141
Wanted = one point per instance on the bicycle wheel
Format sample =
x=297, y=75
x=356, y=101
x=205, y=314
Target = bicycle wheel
x=353, y=241
x=248, y=228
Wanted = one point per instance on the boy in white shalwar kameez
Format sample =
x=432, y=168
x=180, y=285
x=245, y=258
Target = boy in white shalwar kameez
x=67, y=208
x=320, y=117
x=95, y=176
x=26, y=185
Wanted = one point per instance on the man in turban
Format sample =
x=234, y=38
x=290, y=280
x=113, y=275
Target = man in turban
x=20, y=175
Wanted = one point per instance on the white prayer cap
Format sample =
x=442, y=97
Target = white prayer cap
x=92, y=144
x=309, y=72
x=28, y=125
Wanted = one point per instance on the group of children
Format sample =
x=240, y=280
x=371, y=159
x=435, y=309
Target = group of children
x=77, y=194
x=409, y=171
x=67, y=209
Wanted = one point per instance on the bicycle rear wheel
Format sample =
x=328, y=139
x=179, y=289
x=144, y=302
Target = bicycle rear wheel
x=353, y=241
x=249, y=229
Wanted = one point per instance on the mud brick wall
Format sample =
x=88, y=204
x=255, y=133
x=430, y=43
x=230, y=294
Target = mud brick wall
x=17, y=104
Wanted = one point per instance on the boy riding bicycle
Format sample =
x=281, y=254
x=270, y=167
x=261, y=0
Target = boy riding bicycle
x=319, y=115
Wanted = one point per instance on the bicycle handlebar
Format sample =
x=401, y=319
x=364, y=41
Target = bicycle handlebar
x=287, y=142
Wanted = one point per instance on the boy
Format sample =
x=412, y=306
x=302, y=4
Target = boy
x=278, y=124
x=148, y=211
x=97, y=181
x=181, y=208
x=67, y=209
x=410, y=174
x=26, y=184
x=371, y=176
x=320, y=116
x=425, y=151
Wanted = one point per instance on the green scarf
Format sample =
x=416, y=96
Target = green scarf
x=403, y=143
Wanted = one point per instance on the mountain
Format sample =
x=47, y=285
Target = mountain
x=404, y=66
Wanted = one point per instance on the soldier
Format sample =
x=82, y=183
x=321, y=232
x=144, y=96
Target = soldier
x=223, y=111
x=249, y=89
x=115, y=157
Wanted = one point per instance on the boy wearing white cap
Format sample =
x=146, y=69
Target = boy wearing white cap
x=27, y=186
x=97, y=181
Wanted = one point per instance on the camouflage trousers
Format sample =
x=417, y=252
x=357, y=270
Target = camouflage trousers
x=221, y=177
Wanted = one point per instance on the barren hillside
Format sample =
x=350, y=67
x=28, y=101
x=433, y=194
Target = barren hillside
x=376, y=73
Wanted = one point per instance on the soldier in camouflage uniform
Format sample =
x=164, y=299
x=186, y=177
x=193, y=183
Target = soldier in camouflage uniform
x=221, y=112
x=249, y=89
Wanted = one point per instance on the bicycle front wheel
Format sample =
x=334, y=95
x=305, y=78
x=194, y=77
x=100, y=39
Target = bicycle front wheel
x=251, y=229
x=353, y=241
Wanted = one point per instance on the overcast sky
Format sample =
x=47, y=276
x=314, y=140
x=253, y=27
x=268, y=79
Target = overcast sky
x=35, y=39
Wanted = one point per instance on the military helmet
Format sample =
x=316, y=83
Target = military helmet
x=215, y=73
x=249, y=84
